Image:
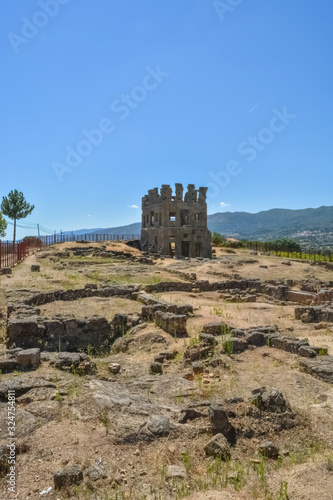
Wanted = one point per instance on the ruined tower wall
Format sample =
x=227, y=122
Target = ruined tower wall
x=176, y=224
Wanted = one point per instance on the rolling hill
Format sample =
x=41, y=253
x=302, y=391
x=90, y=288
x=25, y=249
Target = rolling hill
x=310, y=225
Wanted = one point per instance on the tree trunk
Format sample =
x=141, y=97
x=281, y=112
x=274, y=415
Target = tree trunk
x=14, y=237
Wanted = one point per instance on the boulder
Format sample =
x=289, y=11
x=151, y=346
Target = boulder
x=159, y=425
x=156, y=368
x=68, y=476
x=189, y=414
x=268, y=450
x=207, y=338
x=114, y=368
x=35, y=268
x=119, y=324
x=197, y=367
x=272, y=401
x=86, y=367
x=176, y=471
x=218, y=447
x=237, y=345
x=6, y=270
x=195, y=352
x=96, y=472
x=218, y=418
x=255, y=338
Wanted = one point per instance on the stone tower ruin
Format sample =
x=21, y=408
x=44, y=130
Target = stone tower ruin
x=176, y=225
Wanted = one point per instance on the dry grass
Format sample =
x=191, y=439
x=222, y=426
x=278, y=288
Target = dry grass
x=106, y=307
x=305, y=469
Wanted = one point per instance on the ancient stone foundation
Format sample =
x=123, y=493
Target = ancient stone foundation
x=175, y=324
x=65, y=334
x=315, y=314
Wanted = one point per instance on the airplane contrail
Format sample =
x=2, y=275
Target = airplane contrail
x=254, y=107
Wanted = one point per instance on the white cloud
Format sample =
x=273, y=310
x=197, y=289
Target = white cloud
x=224, y=204
x=133, y=206
x=89, y=215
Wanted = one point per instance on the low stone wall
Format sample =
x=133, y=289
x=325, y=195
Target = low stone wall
x=216, y=328
x=17, y=298
x=62, y=334
x=148, y=312
x=315, y=314
x=169, y=286
x=152, y=304
x=175, y=324
x=324, y=295
x=269, y=336
x=278, y=291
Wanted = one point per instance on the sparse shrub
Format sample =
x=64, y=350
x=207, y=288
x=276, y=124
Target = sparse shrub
x=105, y=420
x=187, y=461
x=228, y=347
x=58, y=396
x=329, y=462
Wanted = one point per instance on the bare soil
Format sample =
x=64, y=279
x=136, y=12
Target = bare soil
x=65, y=419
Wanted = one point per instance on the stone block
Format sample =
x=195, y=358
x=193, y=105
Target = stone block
x=28, y=358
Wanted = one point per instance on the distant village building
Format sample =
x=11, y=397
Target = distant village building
x=176, y=225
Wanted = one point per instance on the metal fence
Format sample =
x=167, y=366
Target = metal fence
x=11, y=254
x=92, y=237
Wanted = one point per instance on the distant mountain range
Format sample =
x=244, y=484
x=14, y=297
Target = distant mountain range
x=310, y=225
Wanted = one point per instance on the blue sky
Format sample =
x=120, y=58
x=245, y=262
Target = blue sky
x=235, y=95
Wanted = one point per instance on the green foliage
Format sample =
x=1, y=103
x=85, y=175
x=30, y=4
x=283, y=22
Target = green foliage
x=228, y=347
x=3, y=226
x=16, y=207
x=218, y=239
x=283, y=245
x=278, y=245
x=187, y=461
x=58, y=396
x=33, y=241
x=329, y=463
x=105, y=420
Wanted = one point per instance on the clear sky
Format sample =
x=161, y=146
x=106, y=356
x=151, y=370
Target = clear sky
x=234, y=95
